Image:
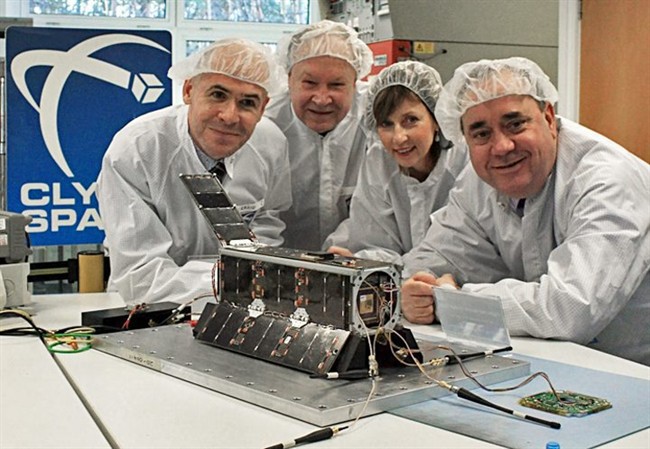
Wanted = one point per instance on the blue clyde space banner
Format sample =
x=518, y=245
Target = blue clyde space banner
x=68, y=92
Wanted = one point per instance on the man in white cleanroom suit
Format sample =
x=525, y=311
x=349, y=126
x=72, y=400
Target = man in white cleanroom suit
x=409, y=169
x=551, y=217
x=152, y=225
x=321, y=116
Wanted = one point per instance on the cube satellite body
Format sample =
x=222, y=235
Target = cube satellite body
x=312, y=311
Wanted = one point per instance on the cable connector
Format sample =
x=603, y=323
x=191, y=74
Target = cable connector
x=346, y=375
x=178, y=317
x=318, y=435
x=373, y=366
x=446, y=385
x=458, y=358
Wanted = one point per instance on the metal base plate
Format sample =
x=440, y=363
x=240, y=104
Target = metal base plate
x=174, y=351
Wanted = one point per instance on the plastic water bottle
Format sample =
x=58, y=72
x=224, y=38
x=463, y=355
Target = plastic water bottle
x=552, y=445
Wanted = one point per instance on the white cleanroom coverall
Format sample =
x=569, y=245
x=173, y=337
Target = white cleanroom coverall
x=390, y=211
x=152, y=223
x=324, y=171
x=575, y=266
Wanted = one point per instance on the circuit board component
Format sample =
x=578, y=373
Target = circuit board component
x=569, y=404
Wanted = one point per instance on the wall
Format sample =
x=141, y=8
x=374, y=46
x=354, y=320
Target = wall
x=462, y=30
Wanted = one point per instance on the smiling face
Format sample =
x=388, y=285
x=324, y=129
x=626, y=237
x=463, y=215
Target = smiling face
x=407, y=134
x=322, y=90
x=512, y=143
x=223, y=112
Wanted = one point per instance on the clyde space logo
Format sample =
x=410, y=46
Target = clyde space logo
x=68, y=92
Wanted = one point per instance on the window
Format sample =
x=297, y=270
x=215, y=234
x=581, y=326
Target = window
x=193, y=23
x=265, y=11
x=140, y=9
x=261, y=11
x=194, y=45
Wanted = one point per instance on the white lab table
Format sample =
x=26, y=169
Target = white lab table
x=141, y=408
x=38, y=406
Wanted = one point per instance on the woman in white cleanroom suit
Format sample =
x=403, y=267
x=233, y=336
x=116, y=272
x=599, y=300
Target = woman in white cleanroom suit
x=409, y=168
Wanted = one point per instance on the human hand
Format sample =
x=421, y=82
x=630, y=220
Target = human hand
x=417, y=298
x=340, y=251
x=446, y=281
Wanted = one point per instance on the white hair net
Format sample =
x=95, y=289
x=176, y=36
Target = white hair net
x=474, y=83
x=326, y=38
x=237, y=58
x=421, y=79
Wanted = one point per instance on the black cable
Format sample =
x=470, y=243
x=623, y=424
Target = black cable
x=31, y=331
x=40, y=333
x=22, y=331
x=317, y=435
x=468, y=395
x=175, y=316
x=457, y=358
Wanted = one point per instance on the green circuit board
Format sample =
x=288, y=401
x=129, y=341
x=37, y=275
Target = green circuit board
x=569, y=403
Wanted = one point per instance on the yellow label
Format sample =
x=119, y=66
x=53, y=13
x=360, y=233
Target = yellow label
x=424, y=47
